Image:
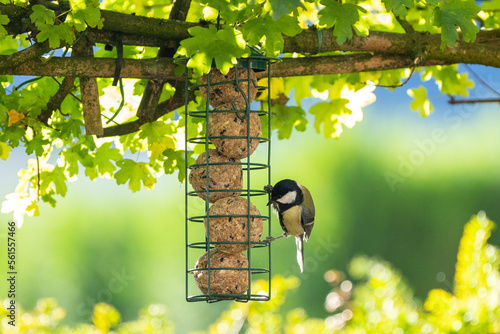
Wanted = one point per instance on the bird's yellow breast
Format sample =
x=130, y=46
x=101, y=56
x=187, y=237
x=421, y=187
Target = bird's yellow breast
x=291, y=220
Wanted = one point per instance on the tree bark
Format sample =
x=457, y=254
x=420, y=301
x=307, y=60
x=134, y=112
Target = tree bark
x=90, y=93
x=163, y=68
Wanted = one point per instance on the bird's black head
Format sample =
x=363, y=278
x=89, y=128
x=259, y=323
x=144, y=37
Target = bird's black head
x=285, y=194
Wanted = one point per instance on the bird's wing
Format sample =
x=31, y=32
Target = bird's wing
x=307, y=214
x=307, y=221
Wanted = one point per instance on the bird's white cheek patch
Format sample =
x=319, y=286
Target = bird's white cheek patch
x=288, y=198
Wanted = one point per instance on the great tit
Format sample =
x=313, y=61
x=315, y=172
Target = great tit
x=295, y=209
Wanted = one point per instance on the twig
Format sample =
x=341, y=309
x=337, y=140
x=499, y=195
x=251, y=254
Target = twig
x=452, y=100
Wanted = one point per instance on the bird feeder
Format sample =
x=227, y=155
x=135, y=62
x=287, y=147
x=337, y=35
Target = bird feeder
x=226, y=214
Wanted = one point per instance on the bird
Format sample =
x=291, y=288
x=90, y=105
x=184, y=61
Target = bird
x=293, y=204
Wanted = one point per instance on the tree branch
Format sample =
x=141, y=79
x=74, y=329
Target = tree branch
x=108, y=37
x=362, y=62
x=20, y=23
x=163, y=68
x=90, y=93
x=472, y=101
x=55, y=101
x=93, y=67
x=33, y=52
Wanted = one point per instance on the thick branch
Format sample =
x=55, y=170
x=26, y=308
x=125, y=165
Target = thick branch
x=163, y=68
x=90, y=93
x=93, y=67
x=146, y=26
x=20, y=23
x=363, y=62
x=33, y=52
x=108, y=37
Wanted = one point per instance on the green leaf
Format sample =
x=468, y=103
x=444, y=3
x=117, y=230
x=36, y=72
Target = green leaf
x=270, y=32
x=90, y=16
x=56, y=177
x=420, y=103
x=301, y=87
x=103, y=156
x=55, y=34
x=4, y=19
x=156, y=131
x=134, y=173
x=327, y=115
x=176, y=161
x=450, y=14
x=341, y=16
x=284, y=7
x=42, y=16
x=399, y=7
x=231, y=11
x=70, y=161
x=448, y=79
x=4, y=151
x=286, y=118
x=36, y=145
x=208, y=45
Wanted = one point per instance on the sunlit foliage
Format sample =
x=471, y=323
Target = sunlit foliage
x=59, y=151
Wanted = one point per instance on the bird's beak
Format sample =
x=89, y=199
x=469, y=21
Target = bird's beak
x=270, y=202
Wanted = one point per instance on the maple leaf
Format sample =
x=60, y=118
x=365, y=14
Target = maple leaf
x=399, y=7
x=286, y=118
x=271, y=32
x=420, y=103
x=176, y=161
x=14, y=116
x=341, y=16
x=283, y=7
x=448, y=79
x=223, y=46
x=55, y=33
x=450, y=14
x=42, y=16
x=56, y=177
x=327, y=115
x=134, y=173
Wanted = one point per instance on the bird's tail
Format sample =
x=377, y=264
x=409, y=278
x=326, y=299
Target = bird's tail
x=299, y=240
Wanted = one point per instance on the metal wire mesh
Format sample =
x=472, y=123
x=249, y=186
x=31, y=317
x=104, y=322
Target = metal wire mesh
x=197, y=217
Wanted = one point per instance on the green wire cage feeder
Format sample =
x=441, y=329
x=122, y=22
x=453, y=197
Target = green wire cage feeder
x=226, y=213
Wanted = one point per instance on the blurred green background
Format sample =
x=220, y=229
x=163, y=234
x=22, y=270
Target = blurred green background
x=395, y=186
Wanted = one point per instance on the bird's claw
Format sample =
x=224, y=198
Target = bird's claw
x=269, y=239
x=268, y=188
